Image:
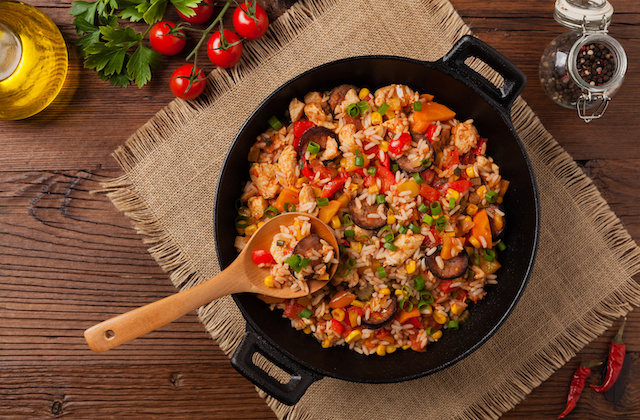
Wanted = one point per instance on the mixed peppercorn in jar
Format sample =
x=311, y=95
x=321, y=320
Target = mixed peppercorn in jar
x=412, y=198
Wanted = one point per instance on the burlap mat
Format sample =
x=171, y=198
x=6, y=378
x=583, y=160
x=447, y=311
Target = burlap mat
x=582, y=277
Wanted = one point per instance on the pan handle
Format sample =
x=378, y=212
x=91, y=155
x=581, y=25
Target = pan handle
x=469, y=46
x=288, y=393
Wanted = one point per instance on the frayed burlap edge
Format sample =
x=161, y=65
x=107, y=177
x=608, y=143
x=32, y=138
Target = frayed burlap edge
x=537, y=140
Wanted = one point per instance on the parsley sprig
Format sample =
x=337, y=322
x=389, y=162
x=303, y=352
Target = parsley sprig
x=116, y=51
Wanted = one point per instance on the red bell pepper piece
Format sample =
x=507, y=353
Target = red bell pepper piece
x=334, y=185
x=401, y=144
x=415, y=321
x=460, y=185
x=353, y=309
x=382, y=333
x=429, y=193
x=262, y=256
x=415, y=344
x=386, y=177
x=429, y=243
x=292, y=308
x=450, y=158
x=296, y=143
x=431, y=130
x=336, y=326
x=481, y=148
x=445, y=286
x=428, y=175
x=300, y=126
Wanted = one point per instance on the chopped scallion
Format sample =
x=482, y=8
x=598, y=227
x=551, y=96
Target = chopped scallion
x=418, y=283
x=372, y=170
x=395, y=167
x=359, y=160
x=353, y=111
x=489, y=255
x=414, y=228
x=313, y=147
x=417, y=106
x=363, y=106
x=453, y=325
x=436, y=208
x=452, y=203
x=423, y=208
x=402, y=230
x=502, y=246
x=350, y=263
x=271, y=212
x=381, y=199
x=280, y=243
x=274, y=123
x=305, y=313
x=423, y=305
x=441, y=224
x=457, y=172
x=365, y=239
x=428, y=219
x=406, y=305
x=383, y=108
x=242, y=222
x=381, y=273
x=390, y=246
x=349, y=233
x=418, y=178
x=238, y=204
x=425, y=295
x=389, y=237
x=347, y=220
x=322, y=201
x=429, y=330
x=491, y=196
x=288, y=207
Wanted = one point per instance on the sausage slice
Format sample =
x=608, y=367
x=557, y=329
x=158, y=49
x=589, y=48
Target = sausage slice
x=453, y=268
x=360, y=215
x=304, y=247
x=497, y=233
x=338, y=93
x=317, y=135
x=378, y=320
x=406, y=165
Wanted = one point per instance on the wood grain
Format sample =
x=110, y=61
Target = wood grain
x=69, y=259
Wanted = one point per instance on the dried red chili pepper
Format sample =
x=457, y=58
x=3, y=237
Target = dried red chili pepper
x=614, y=362
x=577, y=384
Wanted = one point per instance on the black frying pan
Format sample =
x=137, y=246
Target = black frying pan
x=469, y=94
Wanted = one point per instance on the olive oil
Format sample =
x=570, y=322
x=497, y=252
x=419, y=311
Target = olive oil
x=33, y=60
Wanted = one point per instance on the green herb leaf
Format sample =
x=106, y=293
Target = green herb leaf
x=140, y=64
x=185, y=6
x=155, y=11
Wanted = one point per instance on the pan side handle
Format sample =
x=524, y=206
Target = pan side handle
x=287, y=393
x=469, y=46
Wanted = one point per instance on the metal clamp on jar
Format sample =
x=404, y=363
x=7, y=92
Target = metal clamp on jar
x=584, y=67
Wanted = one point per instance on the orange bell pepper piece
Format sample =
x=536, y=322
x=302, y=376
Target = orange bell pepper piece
x=327, y=212
x=403, y=315
x=481, y=227
x=433, y=111
x=447, y=248
x=286, y=196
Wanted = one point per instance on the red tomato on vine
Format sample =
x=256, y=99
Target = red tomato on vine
x=204, y=11
x=224, y=48
x=165, y=40
x=250, y=20
x=188, y=81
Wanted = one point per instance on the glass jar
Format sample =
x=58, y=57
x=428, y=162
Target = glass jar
x=33, y=60
x=584, y=67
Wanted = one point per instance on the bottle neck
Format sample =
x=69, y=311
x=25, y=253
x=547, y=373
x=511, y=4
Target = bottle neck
x=10, y=51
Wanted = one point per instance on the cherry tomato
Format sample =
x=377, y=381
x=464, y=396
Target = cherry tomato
x=250, y=20
x=262, y=256
x=188, y=81
x=166, y=44
x=224, y=51
x=299, y=127
x=204, y=11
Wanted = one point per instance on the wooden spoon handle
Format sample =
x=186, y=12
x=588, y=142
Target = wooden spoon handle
x=137, y=322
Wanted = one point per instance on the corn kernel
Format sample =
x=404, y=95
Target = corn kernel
x=410, y=267
x=357, y=303
x=301, y=181
x=391, y=218
x=437, y=335
x=250, y=230
x=384, y=146
x=374, y=189
x=391, y=348
x=472, y=209
x=394, y=104
x=317, y=191
x=390, y=114
x=398, y=292
x=471, y=172
x=481, y=191
x=381, y=350
x=452, y=234
x=260, y=224
x=335, y=222
x=475, y=242
x=307, y=330
x=453, y=193
x=354, y=335
x=240, y=231
x=439, y=317
x=327, y=317
x=338, y=314
x=324, y=277
x=376, y=118
x=467, y=219
x=268, y=281
x=353, y=318
x=457, y=309
x=356, y=246
x=344, y=162
x=406, y=347
x=385, y=291
x=363, y=93
x=326, y=344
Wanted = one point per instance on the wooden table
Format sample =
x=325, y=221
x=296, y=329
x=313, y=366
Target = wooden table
x=69, y=259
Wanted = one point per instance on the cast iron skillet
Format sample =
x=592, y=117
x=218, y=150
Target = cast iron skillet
x=468, y=93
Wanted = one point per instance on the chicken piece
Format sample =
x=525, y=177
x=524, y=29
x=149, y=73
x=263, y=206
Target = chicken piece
x=263, y=176
x=407, y=244
x=315, y=113
x=287, y=164
x=296, y=109
x=248, y=191
x=257, y=205
x=240, y=242
x=313, y=97
x=351, y=97
x=347, y=139
x=306, y=198
x=279, y=252
x=402, y=92
x=465, y=136
x=396, y=125
x=331, y=151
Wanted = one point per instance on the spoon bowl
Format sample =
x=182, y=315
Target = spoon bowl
x=242, y=275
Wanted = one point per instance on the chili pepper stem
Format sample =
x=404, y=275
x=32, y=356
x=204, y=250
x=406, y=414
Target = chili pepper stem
x=618, y=338
x=590, y=365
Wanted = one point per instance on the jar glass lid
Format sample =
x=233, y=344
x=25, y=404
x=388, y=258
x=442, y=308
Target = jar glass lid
x=591, y=15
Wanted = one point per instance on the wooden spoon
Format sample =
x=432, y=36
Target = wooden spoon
x=241, y=276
